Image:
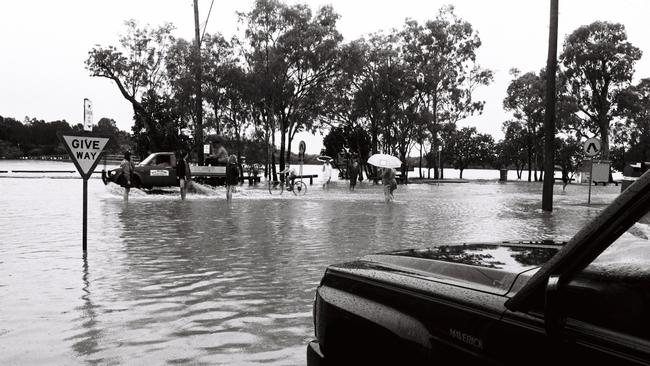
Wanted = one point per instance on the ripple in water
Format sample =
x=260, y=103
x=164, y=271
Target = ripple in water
x=206, y=281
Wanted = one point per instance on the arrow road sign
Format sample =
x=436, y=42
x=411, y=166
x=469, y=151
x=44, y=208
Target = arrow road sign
x=301, y=148
x=84, y=150
x=592, y=147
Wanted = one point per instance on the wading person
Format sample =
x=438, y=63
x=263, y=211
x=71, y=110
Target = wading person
x=127, y=173
x=327, y=174
x=183, y=172
x=353, y=171
x=289, y=177
x=232, y=176
x=389, y=182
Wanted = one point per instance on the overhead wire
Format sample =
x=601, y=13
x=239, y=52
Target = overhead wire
x=206, y=21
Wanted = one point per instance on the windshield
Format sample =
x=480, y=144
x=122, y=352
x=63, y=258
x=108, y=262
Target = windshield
x=147, y=160
x=628, y=256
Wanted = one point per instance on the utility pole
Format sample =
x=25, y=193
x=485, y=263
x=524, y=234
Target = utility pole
x=549, y=118
x=198, y=131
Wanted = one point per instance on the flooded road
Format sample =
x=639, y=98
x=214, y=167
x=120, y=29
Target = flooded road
x=204, y=281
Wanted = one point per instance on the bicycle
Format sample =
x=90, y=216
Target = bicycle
x=275, y=187
x=297, y=187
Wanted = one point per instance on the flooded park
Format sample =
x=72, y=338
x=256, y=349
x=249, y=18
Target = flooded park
x=206, y=281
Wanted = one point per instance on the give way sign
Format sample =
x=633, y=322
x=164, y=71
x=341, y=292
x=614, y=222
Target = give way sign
x=84, y=150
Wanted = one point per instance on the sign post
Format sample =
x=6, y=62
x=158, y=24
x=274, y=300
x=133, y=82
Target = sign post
x=301, y=154
x=85, y=150
x=591, y=148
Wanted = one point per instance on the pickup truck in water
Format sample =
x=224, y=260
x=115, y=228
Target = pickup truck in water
x=584, y=302
x=159, y=170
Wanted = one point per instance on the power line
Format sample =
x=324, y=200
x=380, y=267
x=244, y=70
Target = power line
x=206, y=21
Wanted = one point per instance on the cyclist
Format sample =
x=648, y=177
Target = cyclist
x=290, y=176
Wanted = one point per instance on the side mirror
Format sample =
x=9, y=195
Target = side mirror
x=553, y=307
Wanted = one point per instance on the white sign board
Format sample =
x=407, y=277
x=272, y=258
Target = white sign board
x=600, y=171
x=159, y=173
x=88, y=115
x=206, y=148
x=85, y=151
x=592, y=147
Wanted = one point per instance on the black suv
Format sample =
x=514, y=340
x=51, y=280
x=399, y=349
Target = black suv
x=584, y=302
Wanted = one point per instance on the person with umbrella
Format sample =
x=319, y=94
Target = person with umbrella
x=387, y=163
x=390, y=183
x=327, y=170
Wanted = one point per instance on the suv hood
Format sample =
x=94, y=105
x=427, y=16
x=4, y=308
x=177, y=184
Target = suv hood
x=490, y=268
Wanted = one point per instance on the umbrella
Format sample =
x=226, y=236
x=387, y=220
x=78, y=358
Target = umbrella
x=384, y=161
x=324, y=158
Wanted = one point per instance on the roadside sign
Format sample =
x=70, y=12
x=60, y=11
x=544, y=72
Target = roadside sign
x=85, y=150
x=600, y=171
x=301, y=148
x=88, y=115
x=592, y=147
x=206, y=148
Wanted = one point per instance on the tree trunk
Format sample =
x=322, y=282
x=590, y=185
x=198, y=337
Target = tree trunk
x=420, y=167
x=273, y=171
x=374, y=150
x=530, y=164
x=436, y=159
x=289, y=150
x=283, y=137
x=461, y=173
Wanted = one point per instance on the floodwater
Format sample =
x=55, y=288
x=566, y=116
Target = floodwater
x=204, y=281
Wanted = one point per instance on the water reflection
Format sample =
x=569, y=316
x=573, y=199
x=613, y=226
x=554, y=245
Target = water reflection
x=87, y=342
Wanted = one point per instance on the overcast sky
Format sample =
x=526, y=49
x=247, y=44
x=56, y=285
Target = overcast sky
x=44, y=43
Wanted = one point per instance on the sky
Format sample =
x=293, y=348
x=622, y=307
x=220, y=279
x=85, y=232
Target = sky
x=44, y=43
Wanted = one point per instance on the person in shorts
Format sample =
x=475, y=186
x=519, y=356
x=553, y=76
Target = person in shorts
x=183, y=172
x=126, y=178
x=289, y=174
x=353, y=172
x=390, y=183
x=232, y=176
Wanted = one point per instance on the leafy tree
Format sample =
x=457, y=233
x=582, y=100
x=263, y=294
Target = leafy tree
x=514, y=148
x=525, y=98
x=598, y=62
x=335, y=141
x=138, y=70
x=120, y=140
x=35, y=137
x=633, y=131
x=345, y=138
x=568, y=155
x=443, y=53
x=470, y=147
x=294, y=55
